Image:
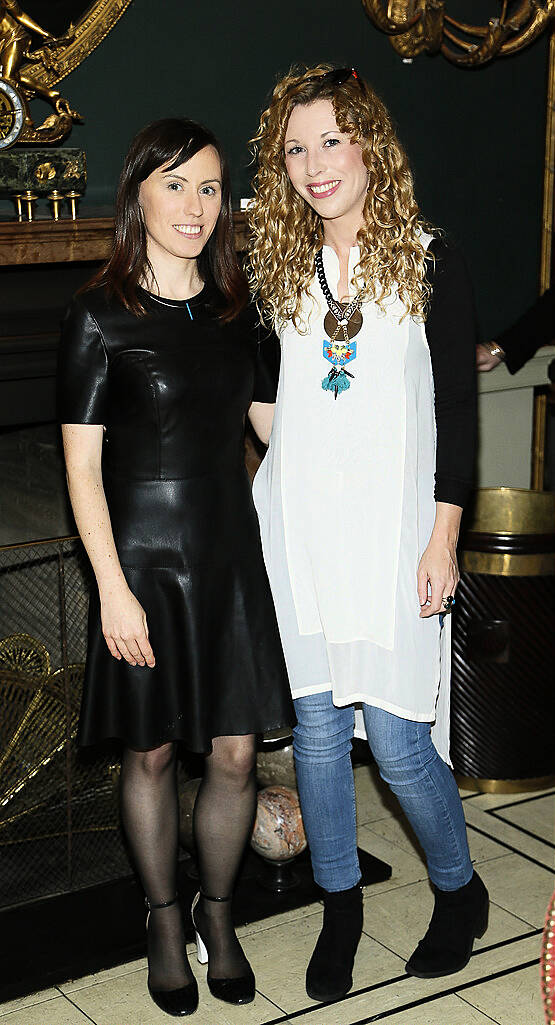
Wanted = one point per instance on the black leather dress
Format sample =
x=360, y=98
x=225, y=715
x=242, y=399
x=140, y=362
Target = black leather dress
x=172, y=389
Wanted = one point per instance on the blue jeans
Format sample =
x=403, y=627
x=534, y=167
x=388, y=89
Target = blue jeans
x=408, y=762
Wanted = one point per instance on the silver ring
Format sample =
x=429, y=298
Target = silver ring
x=448, y=602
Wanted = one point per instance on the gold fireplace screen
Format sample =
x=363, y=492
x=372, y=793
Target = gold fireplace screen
x=58, y=806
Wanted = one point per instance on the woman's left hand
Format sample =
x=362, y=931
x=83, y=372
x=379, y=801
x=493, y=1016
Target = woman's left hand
x=438, y=575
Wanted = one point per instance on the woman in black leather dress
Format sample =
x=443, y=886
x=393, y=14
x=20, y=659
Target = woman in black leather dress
x=159, y=365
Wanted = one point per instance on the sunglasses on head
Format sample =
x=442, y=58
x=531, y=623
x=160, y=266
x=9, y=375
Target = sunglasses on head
x=335, y=77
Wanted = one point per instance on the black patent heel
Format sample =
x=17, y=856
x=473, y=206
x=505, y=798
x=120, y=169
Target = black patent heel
x=177, y=1002
x=240, y=990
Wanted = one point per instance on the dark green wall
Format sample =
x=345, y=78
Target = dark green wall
x=476, y=139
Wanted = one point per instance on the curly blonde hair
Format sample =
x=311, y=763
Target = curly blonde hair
x=286, y=233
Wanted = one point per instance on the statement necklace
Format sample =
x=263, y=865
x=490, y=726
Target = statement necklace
x=342, y=323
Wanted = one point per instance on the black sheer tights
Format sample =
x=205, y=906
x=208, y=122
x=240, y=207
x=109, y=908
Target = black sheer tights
x=223, y=818
x=150, y=816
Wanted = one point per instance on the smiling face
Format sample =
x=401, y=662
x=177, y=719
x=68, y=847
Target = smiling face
x=180, y=208
x=324, y=166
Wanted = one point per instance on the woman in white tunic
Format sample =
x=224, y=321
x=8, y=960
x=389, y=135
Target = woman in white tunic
x=376, y=397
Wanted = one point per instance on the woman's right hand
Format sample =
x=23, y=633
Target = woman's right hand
x=125, y=629
x=484, y=358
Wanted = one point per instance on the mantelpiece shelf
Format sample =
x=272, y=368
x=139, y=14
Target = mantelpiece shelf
x=67, y=241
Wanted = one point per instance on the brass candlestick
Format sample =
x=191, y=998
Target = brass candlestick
x=29, y=198
x=56, y=199
x=18, y=200
x=72, y=198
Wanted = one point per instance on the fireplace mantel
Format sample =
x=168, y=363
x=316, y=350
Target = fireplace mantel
x=65, y=241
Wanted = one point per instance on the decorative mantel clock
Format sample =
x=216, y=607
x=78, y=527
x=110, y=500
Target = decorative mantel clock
x=23, y=39
x=39, y=46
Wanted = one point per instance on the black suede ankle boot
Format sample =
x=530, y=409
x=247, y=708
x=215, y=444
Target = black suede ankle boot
x=329, y=975
x=459, y=917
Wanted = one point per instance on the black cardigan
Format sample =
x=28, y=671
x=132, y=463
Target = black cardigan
x=533, y=329
x=451, y=336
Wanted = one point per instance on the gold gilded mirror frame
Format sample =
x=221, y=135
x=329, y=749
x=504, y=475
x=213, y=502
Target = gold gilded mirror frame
x=546, y=266
x=425, y=26
x=549, y=174
x=89, y=31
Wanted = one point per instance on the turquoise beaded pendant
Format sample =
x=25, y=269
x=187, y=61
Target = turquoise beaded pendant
x=339, y=354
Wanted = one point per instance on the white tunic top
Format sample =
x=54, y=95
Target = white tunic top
x=345, y=497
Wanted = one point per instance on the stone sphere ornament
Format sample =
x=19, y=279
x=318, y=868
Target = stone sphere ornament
x=278, y=833
x=278, y=837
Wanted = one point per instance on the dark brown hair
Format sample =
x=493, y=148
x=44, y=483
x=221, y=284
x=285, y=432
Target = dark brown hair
x=169, y=143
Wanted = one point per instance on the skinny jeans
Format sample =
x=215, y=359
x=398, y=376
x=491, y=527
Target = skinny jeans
x=407, y=761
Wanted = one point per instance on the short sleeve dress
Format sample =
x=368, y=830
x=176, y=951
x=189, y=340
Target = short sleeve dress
x=172, y=390
x=346, y=494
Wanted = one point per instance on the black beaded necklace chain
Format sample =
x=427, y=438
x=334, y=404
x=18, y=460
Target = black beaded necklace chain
x=343, y=318
x=342, y=323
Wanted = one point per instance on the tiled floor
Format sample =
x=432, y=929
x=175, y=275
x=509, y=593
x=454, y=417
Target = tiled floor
x=511, y=840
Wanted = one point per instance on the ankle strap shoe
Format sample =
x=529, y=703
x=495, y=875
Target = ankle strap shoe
x=176, y=1002
x=238, y=990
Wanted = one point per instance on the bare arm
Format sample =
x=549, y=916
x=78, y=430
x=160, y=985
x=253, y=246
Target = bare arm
x=261, y=416
x=123, y=618
x=438, y=572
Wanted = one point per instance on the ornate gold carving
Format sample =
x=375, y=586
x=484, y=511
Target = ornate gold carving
x=6, y=115
x=49, y=59
x=24, y=654
x=92, y=28
x=45, y=172
x=17, y=33
x=40, y=710
x=73, y=169
x=423, y=26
